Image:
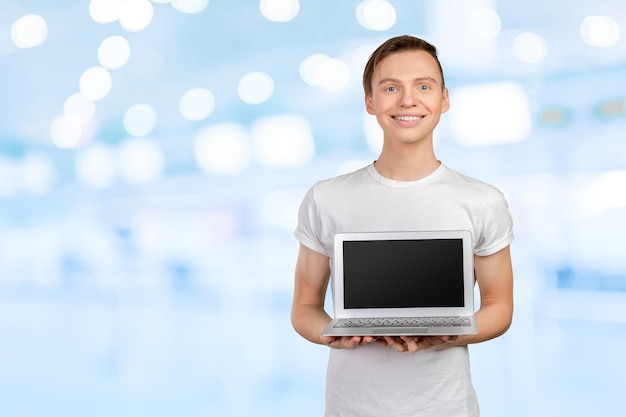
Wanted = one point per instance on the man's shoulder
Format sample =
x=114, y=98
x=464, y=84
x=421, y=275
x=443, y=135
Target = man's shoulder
x=480, y=193
x=467, y=182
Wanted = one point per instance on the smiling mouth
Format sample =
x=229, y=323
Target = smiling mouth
x=407, y=118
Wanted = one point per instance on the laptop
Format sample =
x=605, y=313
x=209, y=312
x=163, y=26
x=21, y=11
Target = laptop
x=403, y=283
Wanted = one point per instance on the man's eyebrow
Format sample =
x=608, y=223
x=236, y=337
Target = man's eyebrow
x=417, y=80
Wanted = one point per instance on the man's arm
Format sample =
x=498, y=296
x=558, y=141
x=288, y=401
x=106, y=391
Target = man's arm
x=308, y=316
x=494, y=274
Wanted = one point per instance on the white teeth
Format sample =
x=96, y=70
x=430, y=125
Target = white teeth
x=407, y=118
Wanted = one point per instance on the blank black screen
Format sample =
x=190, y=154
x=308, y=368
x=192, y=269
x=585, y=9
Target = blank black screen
x=403, y=273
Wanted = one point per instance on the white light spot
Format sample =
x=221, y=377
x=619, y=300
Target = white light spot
x=66, y=133
x=114, y=52
x=37, y=174
x=598, y=196
x=255, y=87
x=79, y=109
x=359, y=57
x=136, y=15
x=141, y=161
x=490, y=114
x=105, y=11
x=279, y=10
x=190, y=6
x=320, y=70
x=140, y=119
x=283, y=141
x=95, y=166
x=222, y=149
x=485, y=23
x=197, y=104
x=29, y=31
x=309, y=68
x=530, y=48
x=600, y=31
x=95, y=83
x=376, y=15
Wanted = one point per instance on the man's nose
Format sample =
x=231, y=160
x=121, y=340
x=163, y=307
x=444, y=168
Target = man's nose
x=408, y=99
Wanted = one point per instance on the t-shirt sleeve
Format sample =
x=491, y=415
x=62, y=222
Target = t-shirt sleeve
x=497, y=228
x=308, y=231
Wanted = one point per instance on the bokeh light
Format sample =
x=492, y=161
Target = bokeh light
x=79, y=109
x=485, y=23
x=37, y=174
x=114, y=52
x=95, y=166
x=530, y=48
x=377, y=15
x=141, y=161
x=279, y=10
x=598, y=196
x=223, y=149
x=255, y=87
x=190, y=6
x=282, y=142
x=66, y=133
x=136, y=15
x=197, y=104
x=95, y=83
x=140, y=119
x=105, y=11
x=29, y=31
x=320, y=70
x=600, y=31
x=490, y=114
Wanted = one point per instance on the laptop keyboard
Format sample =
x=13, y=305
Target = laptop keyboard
x=405, y=322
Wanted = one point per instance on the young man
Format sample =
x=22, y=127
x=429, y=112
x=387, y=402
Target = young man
x=406, y=188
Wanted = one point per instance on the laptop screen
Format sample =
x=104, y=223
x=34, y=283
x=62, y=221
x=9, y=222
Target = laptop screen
x=403, y=273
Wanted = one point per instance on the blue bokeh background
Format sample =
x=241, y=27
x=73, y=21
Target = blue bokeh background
x=146, y=252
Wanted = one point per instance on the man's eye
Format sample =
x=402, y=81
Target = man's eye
x=391, y=89
x=424, y=87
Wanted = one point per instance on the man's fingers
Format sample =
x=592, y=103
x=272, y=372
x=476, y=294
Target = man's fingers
x=397, y=343
x=327, y=340
x=412, y=343
x=345, y=342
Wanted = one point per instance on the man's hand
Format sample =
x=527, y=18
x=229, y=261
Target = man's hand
x=399, y=343
x=350, y=342
x=417, y=343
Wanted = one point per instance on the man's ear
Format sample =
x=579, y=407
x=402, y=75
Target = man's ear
x=445, y=103
x=369, y=105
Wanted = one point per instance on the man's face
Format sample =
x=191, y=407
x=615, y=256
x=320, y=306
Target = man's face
x=407, y=96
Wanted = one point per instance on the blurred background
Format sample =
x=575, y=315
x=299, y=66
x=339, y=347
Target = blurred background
x=153, y=155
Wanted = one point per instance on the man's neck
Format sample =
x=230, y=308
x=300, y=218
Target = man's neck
x=406, y=164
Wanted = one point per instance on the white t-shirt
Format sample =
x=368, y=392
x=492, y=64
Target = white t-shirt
x=373, y=380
